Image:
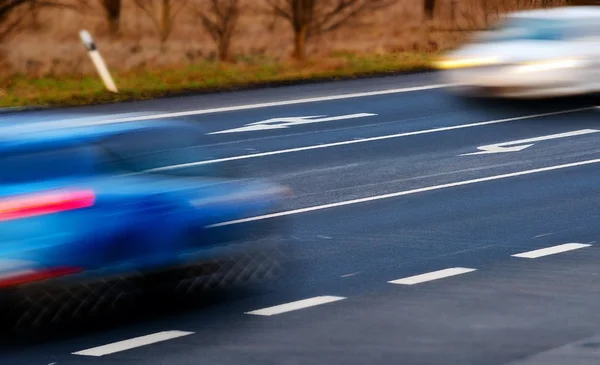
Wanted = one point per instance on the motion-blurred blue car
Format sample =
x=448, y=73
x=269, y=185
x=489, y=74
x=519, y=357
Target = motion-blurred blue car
x=90, y=213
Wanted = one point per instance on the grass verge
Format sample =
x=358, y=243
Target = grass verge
x=22, y=90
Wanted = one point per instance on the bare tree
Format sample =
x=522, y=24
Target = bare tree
x=314, y=17
x=220, y=19
x=162, y=13
x=15, y=13
x=429, y=7
x=583, y=2
x=11, y=16
x=112, y=10
x=34, y=13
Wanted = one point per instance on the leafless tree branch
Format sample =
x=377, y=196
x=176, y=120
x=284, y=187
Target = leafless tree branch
x=14, y=14
x=112, y=11
x=309, y=18
x=162, y=13
x=220, y=19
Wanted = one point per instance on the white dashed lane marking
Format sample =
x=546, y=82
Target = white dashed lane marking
x=315, y=301
x=430, y=276
x=292, y=306
x=551, y=250
x=132, y=343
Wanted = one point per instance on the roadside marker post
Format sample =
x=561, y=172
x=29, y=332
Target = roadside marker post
x=88, y=42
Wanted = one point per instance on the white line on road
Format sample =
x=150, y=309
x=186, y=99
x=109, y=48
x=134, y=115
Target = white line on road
x=430, y=276
x=300, y=304
x=364, y=140
x=286, y=122
x=409, y=192
x=501, y=147
x=277, y=103
x=132, y=343
x=551, y=250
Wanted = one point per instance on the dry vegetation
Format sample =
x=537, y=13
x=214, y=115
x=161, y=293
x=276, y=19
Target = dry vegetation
x=51, y=45
x=251, y=35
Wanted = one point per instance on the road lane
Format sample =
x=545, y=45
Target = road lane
x=354, y=251
x=473, y=226
x=381, y=130
x=378, y=237
x=329, y=175
x=511, y=310
x=417, y=104
x=233, y=98
x=422, y=111
x=257, y=95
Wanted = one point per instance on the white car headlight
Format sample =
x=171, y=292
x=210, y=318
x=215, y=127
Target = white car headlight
x=549, y=65
x=451, y=63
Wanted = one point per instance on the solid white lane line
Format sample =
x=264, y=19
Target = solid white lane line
x=409, y=192
x=430, y=276
x=293, y=306
x=551, y=250
x=277, y=103
x=365, y=140
x=132, y=343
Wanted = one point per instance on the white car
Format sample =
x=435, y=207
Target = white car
x=530, y=54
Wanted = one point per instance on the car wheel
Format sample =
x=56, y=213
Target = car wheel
x=44, y=307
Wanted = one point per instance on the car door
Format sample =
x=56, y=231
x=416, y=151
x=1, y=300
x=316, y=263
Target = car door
x=586, y=38
x=52, y=206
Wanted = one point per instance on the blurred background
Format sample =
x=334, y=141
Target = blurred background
x=278, y=154
x=155, y=45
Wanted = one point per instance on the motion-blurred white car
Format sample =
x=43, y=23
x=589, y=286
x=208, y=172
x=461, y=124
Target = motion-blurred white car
x=530, y=54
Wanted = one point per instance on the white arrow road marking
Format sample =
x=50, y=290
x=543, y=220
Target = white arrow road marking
x=234, y=108
x=496, y=148
x=500, y=147
x=362, y=140
x=286, y=122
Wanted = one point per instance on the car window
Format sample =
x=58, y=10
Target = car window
x=45, y=164
x=515, y=29
x=170, y=150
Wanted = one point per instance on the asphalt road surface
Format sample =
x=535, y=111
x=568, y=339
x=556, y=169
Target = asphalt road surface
x=428, y=231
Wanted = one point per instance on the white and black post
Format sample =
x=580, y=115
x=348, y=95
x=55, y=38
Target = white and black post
x=89, y=43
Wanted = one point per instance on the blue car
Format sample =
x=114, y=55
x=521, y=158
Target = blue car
x=92, y=212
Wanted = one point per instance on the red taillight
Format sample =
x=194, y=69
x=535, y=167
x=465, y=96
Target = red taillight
x=31, y=276
x=44, y=203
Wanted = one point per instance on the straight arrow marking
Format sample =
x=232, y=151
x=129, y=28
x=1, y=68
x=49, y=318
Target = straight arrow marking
x=501, y=147
x=290, y=121
x=486, y=150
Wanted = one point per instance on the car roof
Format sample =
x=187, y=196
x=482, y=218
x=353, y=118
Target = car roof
x=562, y=13
x=69, y=132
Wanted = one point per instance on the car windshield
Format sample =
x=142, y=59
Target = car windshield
x=532, y=29
x=172, y=151
x=40, y=165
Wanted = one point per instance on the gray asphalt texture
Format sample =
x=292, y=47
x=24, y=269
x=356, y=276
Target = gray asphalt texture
x=510, y=311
